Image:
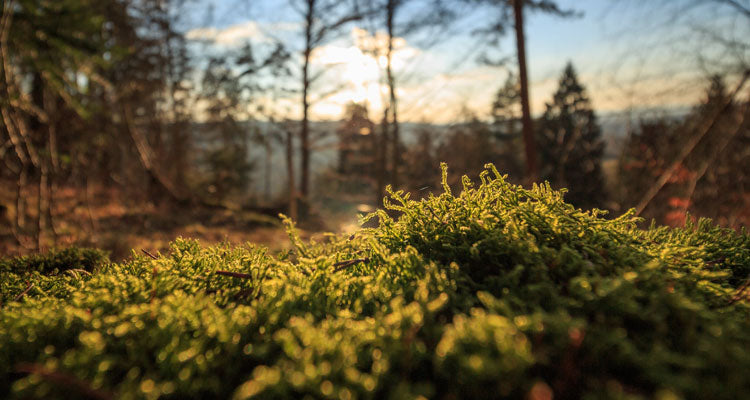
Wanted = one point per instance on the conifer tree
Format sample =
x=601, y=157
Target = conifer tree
x=506, y=127
x=570, y=144
x=505, y=11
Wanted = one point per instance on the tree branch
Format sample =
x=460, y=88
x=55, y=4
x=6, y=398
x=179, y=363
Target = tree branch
x=715, y=155
x=688, y=148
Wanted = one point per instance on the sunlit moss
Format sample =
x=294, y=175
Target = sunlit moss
x=496, y=292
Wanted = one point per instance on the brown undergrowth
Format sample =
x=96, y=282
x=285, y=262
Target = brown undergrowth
x=111, y=220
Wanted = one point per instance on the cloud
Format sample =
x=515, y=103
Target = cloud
x=240, y=33
x=357, y=65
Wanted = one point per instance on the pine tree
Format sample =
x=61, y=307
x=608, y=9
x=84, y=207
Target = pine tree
x=505, y=11
x=47, y=49
x=570, y=144
x=228, y=140
x=506, y=108
x=506, y=127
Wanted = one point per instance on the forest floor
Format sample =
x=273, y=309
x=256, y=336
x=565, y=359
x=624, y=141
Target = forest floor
x=111, y=220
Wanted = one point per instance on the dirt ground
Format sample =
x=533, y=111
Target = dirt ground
x=111, y=220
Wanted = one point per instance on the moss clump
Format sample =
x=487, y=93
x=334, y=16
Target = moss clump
x=499, y=292
x=56, y=261
x=55, y=273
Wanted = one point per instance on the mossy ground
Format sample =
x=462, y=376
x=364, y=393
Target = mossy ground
x=498, y=292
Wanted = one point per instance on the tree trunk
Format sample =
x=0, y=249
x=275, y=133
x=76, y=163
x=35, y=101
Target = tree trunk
x=175, y=126
x=53, y=166
x=37, y=128
x=395, y=146
x=532, y=174
x=381, y=152
x=20, y=203
x=40, y=207
x=305, y=128
x=290, y=173
x=267, y=170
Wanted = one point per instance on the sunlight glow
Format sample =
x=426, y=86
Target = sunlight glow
x=362, y=67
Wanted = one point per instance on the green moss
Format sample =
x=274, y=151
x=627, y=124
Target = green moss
x=56, y=261
x=493, y=293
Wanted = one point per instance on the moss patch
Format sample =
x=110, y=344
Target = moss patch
x=497, y=292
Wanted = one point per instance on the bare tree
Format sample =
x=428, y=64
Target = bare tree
x=388, y=14
x=321, y=19
x=689, y=40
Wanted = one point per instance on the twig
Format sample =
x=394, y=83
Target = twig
x=79, y=270
x=64, y=380
x=342, y=265
x=234, y=274
x=149, y=254
x=740, y=292
x=20, y=295
x=435, y=214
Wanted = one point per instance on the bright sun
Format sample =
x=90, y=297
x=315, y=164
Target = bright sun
x=361, y=67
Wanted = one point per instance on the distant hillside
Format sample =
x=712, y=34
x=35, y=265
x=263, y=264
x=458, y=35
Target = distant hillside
x=269, y=177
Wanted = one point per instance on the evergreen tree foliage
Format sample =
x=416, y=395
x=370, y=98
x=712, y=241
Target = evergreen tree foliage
x=504, y=14
x=227, y=138
x=506, y=108
x=506, y=127
x=52, y=39
x=472, y=144
x=420, y=159
x=570, y=144
x=88, y=62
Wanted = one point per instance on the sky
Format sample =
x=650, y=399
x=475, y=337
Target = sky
x=632, y=54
